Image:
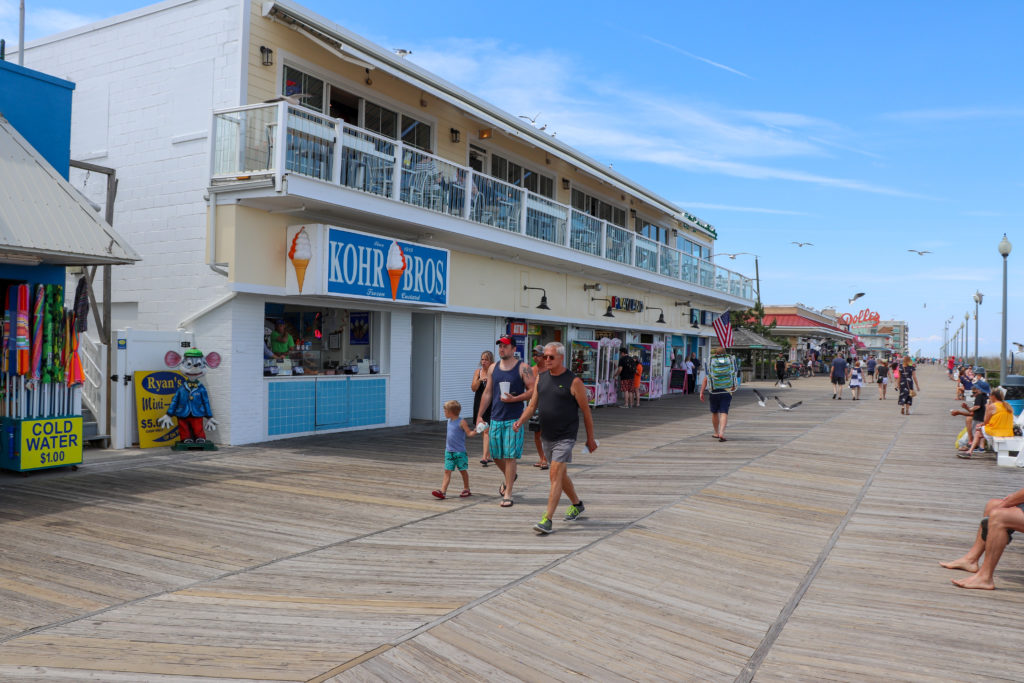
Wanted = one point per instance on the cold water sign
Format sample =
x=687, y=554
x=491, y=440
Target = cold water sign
x=51, y=443
x=373, y=267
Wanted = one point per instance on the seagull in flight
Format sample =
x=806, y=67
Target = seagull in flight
x=1020, y=347
x=919, y=252
x=532, y=119
x=760, y=398
x=785, y=407
x=803, y=244
x=855, y=297
x=401, y=52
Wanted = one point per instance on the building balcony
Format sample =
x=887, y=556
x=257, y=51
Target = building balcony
x=272, y=141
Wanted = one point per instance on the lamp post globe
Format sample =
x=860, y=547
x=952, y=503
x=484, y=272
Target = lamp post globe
x=1004, y=250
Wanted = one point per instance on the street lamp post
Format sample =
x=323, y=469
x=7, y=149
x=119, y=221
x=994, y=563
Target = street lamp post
x=978, y=296
x=757, y=269
x=967, y=333
x=1004, y=250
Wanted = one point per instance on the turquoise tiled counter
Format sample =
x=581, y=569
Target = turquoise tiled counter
x=298, y=405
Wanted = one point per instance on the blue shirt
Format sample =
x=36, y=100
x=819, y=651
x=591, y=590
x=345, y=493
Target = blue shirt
x=501, y=411
x=455, y=442
x=839, y=368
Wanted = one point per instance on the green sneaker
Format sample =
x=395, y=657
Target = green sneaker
x=574, y=512
x=543, y=526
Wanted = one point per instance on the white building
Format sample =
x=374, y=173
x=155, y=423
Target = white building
x=218, y=173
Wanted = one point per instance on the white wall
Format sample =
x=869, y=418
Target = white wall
x=145, y=90
x=399, y=367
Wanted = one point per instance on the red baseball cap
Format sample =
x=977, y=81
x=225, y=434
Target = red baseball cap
x=506, y=340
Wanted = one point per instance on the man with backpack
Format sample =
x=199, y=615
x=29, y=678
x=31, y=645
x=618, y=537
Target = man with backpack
x=720, y=378
x=625, y=373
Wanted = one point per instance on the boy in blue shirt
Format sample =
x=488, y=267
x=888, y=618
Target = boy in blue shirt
x=455, y=457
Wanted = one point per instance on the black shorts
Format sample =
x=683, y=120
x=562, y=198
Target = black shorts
x=720, y=402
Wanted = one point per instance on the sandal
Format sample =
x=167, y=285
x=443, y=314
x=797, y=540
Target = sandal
x=436, y=493
x=501, y=489
x=722, y=438
x=465, y=493
x=544, y=467
x=506, y=503
x=484, y=462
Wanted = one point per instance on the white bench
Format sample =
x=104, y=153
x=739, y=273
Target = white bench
x=1004, y=446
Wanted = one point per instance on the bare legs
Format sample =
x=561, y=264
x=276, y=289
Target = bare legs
x=560, y=483
x=1000, y=521
x=540, y=450
x=718, y=422
x=508, y=469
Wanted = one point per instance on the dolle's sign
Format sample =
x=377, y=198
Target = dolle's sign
x=323, y=259
x=865, y=316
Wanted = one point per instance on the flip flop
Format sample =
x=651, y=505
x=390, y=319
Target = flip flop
x=539, y=464
x=722, y=438
x=544, y=467
x=437, y=494
x=465, y=493
x=507, y=503
x=485, y=463
x=501, y=489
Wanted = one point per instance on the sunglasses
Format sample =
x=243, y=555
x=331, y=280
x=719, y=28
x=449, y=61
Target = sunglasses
x=550, y=357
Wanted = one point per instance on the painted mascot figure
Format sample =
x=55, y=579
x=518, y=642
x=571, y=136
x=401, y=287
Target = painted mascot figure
x=191, y=402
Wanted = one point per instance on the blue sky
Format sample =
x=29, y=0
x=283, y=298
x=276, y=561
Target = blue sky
x=868, y=129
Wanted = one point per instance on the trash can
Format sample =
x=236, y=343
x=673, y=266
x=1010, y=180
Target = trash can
x=1014, y=385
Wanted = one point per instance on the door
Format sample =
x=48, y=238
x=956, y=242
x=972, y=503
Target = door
x=142, y=350
x=423, y=378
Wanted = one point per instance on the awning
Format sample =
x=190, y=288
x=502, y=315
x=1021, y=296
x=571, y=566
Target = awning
x=798, y=325
x=746, y=339
x=43, y=219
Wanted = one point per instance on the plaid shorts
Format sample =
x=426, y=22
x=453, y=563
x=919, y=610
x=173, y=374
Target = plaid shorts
x=506, y=443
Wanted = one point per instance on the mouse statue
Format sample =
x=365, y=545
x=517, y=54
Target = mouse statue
x=191, y=403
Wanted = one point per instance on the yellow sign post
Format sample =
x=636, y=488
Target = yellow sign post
x=153, y=394
x=50, y=443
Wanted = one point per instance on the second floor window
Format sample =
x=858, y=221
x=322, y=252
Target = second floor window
x=593, y=206
x=652, y=231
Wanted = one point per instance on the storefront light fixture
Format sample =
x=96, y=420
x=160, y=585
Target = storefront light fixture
x=486, y=133
x=266, y=55
x=596, y=287
x=661, y=314
x=683, y=303
x=608, y=311
x=456, y=135
x=565, y=183
x=543, y=298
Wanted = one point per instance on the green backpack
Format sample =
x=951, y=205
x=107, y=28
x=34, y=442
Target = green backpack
x=721, y=373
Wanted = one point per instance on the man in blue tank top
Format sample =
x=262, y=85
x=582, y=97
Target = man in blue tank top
x=509, y=385
x=561, y=397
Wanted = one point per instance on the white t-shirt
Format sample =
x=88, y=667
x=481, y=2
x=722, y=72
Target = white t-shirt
x=688, y=365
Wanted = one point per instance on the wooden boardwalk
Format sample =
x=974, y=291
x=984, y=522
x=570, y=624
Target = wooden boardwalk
x=805, y=548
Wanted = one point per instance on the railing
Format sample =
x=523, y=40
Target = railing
x=94, y=388
x=252, y=140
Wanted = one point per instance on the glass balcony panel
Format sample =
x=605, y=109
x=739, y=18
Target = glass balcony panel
x=496, y=203
x=618, y=244
x=243, y=141
x=432, y=183
x=546, y=220
x=367, y=161
x=646, y=254
x=310, y=143
x=707, y=274
x=688, y=268
x=669, y=262
x=586, y=234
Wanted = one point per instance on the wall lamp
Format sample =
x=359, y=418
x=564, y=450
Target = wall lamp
x=661, y=315
x=543, y=298
x=682, y=303
x=596, y=287
x=565, y=183
x=486, y=133
x=267, y=55
x=608, y=311
x=456, y=135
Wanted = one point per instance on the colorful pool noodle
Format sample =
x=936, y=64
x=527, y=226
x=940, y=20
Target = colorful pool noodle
x=21, y=333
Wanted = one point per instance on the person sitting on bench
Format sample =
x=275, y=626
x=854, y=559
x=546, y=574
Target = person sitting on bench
x=1002, y=517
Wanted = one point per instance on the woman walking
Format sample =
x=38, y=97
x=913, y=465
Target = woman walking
x=478, y=385
x=909, y=386
x=883, y=379
x=856, y=380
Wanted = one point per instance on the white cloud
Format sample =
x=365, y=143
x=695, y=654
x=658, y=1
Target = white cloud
x=746, y=209
x=955, y=114
x=610, y=121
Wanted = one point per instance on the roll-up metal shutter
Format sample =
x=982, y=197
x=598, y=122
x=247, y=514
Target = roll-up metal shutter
x=463, y=339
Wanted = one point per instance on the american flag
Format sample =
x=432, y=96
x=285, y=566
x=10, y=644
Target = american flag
x=723, y=328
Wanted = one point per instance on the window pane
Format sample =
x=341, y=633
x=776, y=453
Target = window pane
x=499, y=167
x=415, y=133
x=530, y=180
x=515, y=173
x=381, y=120
x=579, y=201
x=547, y=187
x=619, y=217
x=298, y=83
x=477, y=157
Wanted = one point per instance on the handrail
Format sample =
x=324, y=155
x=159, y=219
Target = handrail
x=322, y=162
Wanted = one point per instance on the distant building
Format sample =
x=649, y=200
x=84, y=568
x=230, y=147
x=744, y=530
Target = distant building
x=808, y=331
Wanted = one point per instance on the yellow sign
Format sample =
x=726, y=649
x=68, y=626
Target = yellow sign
x=153, y=394
x=51, y=443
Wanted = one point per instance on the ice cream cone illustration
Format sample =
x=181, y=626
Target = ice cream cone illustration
x=300, y=255
x=396, y=267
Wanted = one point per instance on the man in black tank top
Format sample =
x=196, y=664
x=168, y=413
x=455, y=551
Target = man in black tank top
x=561, y=397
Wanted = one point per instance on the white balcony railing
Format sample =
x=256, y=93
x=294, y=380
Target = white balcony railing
x=274, y=139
